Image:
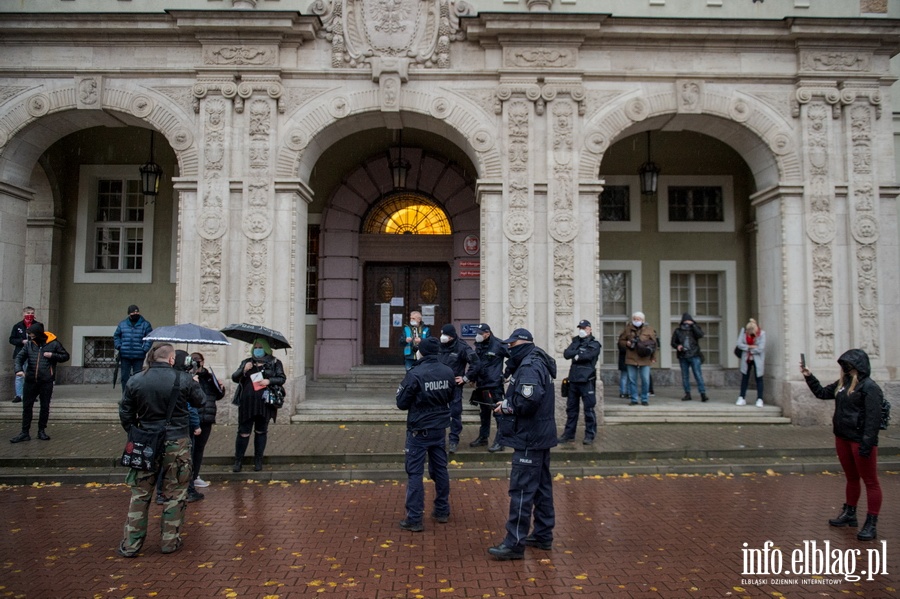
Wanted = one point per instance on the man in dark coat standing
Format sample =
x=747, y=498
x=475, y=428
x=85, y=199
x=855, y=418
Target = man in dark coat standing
x=464, y=363
x=145, y=404
x=584, y=352
x=489, y=383
x=426, y=392
x=18, y=337
x=36, y=364
x=129, y=342
x=528, y=425
x=686, y=343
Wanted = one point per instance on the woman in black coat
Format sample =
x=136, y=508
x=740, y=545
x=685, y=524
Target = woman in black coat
x=857, y=419
x=254, y=377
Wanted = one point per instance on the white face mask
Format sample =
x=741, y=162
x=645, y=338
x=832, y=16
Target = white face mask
x=479, y=338
x=582, y=333
x=413, y=323
x=444, y=338
x=637, y=323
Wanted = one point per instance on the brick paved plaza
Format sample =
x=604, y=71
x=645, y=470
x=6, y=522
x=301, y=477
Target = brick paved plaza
x=623, y=536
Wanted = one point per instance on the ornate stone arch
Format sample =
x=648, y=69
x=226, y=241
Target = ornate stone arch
x=459, y=122
x=22, y=137
x=763, y=137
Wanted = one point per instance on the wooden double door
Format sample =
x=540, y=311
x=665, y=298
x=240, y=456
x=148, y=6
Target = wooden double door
x=392, y=291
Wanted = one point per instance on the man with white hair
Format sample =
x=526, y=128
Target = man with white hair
x=639, y=341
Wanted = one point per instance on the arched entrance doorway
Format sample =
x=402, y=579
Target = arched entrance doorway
x=393, y=289
x=386, y=251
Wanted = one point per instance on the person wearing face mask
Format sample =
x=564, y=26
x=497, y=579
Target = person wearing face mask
x=253, y=376
x=426, y=393
x=856, y=422
x=457, y=354
x=686, y=342
x=36, y=364
x=528, y=425
x=639, y=341
x=584, y=352
x=18, y=337
x=489, y=383
x=413, y=333
x=130, y=345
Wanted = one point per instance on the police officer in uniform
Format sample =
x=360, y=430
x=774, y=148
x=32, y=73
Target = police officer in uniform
x=583, y=351
x=489, y=383
x=457, y=354
x=528, y=425
x=426, y=393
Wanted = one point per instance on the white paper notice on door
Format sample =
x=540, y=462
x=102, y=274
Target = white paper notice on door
x=385, y=328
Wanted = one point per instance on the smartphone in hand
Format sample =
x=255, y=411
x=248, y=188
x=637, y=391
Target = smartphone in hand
x=802, y=360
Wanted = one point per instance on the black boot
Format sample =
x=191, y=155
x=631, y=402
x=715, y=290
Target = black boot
x=687, y=397
x=240, y=448
x=847, y=517
x=259, y=449
x=868, y=532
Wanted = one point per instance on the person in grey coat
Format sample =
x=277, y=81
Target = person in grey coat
x=751, y=342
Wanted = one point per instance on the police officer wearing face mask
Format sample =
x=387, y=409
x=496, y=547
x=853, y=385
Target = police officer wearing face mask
x=584, y=352
x=426, y=392
x=489, y=383
x=528, y=425
x=129, y=342
x=457, y=354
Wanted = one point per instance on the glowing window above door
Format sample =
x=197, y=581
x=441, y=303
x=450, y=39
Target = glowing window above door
x=407, y=214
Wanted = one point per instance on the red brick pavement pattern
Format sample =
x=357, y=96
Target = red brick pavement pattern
x=633, y=537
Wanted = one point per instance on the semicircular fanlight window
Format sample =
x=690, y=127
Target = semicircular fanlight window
x=407, y=214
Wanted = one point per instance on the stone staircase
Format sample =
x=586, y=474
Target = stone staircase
x=368, y=394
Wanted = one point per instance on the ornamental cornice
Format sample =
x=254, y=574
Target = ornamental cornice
x=228, y=87
x=836, y=95
x=539, y=92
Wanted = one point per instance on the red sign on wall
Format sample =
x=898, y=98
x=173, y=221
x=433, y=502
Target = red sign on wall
x=469, y=269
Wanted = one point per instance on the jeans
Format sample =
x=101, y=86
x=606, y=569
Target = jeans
x=745, y=380
x=129, y=366
x=20, y=386
x=420, y=445
x=408, y=362
x=644, y=372
x=688, y=364
x=624, y=389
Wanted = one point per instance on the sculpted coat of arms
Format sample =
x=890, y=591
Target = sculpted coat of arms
x=419, y=31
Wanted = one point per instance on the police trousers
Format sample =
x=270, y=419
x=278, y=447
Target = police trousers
x=419, y=446
x=530, y=492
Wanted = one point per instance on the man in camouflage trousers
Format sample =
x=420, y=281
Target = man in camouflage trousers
x=148, y=394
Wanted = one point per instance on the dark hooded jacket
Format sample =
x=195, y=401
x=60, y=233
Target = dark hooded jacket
x=426, y=392
x=857, y=414
x=688, y=337
x=532, y=396
x=147, y=396
x=32, y=361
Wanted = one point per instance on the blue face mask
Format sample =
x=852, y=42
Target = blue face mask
x=259, y=352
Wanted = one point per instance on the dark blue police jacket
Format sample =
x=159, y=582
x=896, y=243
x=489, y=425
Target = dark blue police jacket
x=426, y=392
x=491, y=353
x=456, y=354
x=531, y=394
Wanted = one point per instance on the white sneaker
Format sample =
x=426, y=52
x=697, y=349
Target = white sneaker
x=740, y=402
x=199, y=482
x=759, y=402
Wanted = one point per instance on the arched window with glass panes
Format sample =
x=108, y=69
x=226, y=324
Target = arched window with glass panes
x=407, y=213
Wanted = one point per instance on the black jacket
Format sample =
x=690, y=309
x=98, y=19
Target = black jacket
x=457, y=354
x=531, y=394
x=147, y=397
x=17, y=335
x=212, y=392
x=687, y=338
x=249, y=400
x=585, y=367
x=426, y=392
x=857, y=415
x=491, y=353
x=36, y=366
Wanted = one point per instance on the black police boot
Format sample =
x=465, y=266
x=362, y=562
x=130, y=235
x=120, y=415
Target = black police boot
x=504, y=553
x=259, y=449
x=411, y=526
x=23, y=436
x=704, y=397
x=240, y=448
x=847, y=517
x=868, y=532
x=532, y=541
x=43, y=436
x=452, y=447
x=17, y=399
x=687, y=397
x=495, y=447
x=478, y=442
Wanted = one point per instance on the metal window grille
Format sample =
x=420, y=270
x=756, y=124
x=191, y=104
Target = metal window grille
x=99, y=352
x=696, y=204
x=615, y=203
x=312, y=269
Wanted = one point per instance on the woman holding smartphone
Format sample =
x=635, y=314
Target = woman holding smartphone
x=857, y=419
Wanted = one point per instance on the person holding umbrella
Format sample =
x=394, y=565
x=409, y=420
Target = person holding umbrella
x=254, y=377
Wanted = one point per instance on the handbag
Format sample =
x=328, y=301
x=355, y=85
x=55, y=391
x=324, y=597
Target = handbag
x=274, y=396
x=144, y=447
x=738, y=352
x=885, y=414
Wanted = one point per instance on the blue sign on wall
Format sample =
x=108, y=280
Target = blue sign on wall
x=468, y=329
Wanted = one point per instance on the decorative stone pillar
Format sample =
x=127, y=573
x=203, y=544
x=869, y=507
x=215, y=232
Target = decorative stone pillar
x=13, y=226
x=489, y=196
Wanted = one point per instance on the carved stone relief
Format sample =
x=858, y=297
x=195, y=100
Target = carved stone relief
x=835, y=61
x=539, y=58
x=563, y=223
x=89, y=92
x=211, y=224
x=419, y=31
x=210, y=275
x=239, y=55
x=688, y=93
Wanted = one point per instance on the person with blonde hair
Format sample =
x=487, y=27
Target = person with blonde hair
x=856, y=422
x=751, y=342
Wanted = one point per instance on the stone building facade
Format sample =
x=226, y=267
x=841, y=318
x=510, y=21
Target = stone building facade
x=280, y=126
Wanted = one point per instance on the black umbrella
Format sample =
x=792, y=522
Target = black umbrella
x=249, y=333
x=188, y=333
